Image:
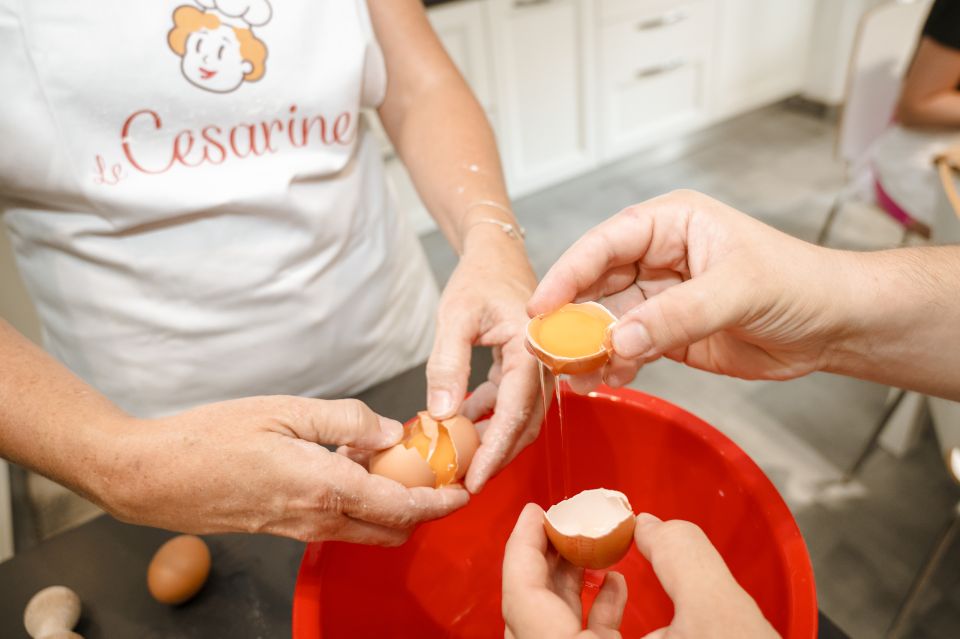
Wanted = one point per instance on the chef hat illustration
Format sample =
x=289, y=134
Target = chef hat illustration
x=242, y=14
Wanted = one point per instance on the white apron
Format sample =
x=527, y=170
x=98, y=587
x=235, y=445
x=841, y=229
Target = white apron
x=195, y=203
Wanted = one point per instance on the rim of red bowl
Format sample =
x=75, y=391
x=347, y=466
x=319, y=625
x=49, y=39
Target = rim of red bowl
x=802, y=596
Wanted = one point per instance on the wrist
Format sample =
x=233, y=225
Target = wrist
x=490, y=249
x=114, y=464
x=483, y=215
x=861, y=313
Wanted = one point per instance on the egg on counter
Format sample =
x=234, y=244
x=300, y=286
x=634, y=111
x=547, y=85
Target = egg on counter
x=432, y=453
x=179, y=569
x=593, y=529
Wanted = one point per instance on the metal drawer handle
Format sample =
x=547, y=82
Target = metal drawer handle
x=665, y=20
x=659, y=69
x=521, y=4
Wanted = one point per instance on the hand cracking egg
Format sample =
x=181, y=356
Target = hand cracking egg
x=433, y=453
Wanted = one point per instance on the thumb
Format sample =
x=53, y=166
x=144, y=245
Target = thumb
x=607, y=610
x=343, y=422
x=705, y=594
x=681, y=315
x=448, y=369
x=687, y=565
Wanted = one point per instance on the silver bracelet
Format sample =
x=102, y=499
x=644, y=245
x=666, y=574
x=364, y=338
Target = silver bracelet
x=513, y=230
x=516, y=232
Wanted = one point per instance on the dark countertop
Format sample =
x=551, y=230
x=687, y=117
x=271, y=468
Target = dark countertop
x=250, y=589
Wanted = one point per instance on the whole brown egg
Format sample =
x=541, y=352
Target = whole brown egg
x=179, y=569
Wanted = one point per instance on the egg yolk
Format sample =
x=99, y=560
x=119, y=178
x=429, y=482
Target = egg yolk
x=571, y=332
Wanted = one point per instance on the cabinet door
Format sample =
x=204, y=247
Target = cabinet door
x=462, y=27
x=544, y=107
x=762, y=52
x=653, y=63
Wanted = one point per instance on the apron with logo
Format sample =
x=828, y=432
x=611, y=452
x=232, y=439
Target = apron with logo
x=196, y=205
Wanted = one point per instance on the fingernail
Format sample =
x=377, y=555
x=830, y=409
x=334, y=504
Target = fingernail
x=476, y=487
x=460, y=496
x=475, y=482
x=392, y=430
x=631, y=340
x=645, y=519
x=614, y=381
x=440, y=403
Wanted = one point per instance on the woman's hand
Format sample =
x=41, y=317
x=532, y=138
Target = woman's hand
x=541, y=591
x=257, y=465
x=484, y=303
x=444, y=139
x=701, y=283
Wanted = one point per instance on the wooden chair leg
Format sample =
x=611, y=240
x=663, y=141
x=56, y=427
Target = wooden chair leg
x=871, y=444
x=900, y=621
x=828, y=222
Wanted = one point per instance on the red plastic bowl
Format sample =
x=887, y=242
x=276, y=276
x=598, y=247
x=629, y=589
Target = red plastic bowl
x=445, y=581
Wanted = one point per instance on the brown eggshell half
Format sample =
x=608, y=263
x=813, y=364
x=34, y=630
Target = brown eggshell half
x=463, y=433
x=593, y=529
x=179, y=569
x=466, y=441
x=571, y=365
x=403, y=465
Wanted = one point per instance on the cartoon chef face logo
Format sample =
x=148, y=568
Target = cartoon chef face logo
x=216, y=43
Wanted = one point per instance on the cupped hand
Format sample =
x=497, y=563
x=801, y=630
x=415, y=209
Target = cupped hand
x=484, y=304
x=701, y=283
x=541, y=590
x=258, y=465
x=708, y=602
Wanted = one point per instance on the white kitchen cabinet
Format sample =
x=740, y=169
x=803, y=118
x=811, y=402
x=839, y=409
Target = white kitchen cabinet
x=569, y=84
x=762, y=51
x=463, y=29
x=542, y=51
x=653, y=64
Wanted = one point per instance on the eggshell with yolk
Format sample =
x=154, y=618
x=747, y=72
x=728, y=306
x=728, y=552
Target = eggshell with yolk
x=573, y=339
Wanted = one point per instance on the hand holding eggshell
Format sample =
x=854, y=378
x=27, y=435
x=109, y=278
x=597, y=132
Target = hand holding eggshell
x=541, y=595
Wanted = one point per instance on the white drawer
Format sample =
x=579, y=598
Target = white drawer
x=615, y=11
x=650, y=106
x=643, y=44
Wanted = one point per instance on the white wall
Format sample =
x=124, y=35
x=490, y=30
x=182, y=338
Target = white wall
x=834, y=27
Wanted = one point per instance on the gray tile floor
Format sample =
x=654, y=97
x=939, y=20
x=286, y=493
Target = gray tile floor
x=867, y=542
